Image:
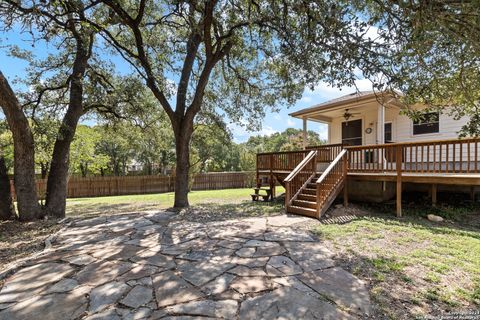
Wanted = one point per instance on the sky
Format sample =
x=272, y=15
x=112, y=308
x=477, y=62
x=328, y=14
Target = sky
x=274, y=122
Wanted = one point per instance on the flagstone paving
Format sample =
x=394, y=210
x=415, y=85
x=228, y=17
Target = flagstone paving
x=154, y=266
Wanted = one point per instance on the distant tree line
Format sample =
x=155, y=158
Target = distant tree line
x=112, y=149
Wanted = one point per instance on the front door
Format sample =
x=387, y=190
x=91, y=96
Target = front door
x=352, y=133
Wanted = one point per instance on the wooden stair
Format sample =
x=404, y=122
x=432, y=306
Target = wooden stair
x=318, y=192
x=305, y=203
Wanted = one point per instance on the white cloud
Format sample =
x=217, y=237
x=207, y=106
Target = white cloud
x=291, y=123
x=324, y=90
x=306, y=99
x=267, y=130
x=240, y=134
x=277, y=117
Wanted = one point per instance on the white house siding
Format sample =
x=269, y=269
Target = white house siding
x=402, y=127
x=402, y=131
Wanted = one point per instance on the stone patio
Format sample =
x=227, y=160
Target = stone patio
x=153, y=266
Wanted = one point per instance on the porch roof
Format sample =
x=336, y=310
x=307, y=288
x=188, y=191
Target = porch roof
x=351, y=100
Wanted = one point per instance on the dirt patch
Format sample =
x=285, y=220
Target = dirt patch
x=20, y=239
x=207, y=212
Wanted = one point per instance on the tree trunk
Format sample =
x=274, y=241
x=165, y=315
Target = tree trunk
x=44, y=169
x=7, y=210
x=24, y=154
x=84, y=170
x=182, y=143
x=56, y=197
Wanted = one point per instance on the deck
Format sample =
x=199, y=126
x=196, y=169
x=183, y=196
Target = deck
x=448, y=162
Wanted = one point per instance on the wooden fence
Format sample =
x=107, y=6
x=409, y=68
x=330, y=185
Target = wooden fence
x=114, y=186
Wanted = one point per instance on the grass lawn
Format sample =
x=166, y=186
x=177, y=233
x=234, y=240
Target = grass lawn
x=234, y=200
x=414, y=267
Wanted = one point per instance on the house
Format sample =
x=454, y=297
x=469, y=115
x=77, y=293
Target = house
x=373, y=153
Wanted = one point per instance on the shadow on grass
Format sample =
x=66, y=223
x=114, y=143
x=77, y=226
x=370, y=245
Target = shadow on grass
x=228, y=211
x=393, y=293
x=109, y=209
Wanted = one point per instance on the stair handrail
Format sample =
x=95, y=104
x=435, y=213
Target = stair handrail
x=337, y=175
x=292, y=175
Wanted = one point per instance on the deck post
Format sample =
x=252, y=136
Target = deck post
x=257, y=180
x=345, y=183
x=434, y=194
x=399, y=179
x=472, y=193
x=305, y=142
x=287, y=195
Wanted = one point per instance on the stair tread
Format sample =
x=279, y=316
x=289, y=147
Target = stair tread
x=298, y=207
x=300, y=200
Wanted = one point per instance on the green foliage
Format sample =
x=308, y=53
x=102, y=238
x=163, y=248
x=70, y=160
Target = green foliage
x=45, y=131
x=83, y=158
x=288, y=140
x=6, y=145
x=435, y=56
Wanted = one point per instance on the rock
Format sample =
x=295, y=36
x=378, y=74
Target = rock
x=283, y=265
x=247, y=272
x=138, y=296
x=63, y=285
x=106, y=295
x=293, y=282
x=260, y=243
x=142, y=240
x=32, y=280
x=252, y=284
x=434, y=218
x=312, y=257
x=341, y=287
x=196, y=255
x=101, y=272
x=245, y=252
x=172, y=289
x=250, y=262
x=49, y=307
x=140, y=313
x=199, y=274
x=158, y=314
x=208, y=308
x=218, y=285
x=288, y=303
x=110, y=314
x=6, y=305
x=229, y=244
x=263, y=251
x=138, y=272
x=252, y=228
x=154, y=258
x=287, y=234
x=80, y=260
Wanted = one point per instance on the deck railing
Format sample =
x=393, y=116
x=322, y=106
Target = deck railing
x=327, y=152
x=441, y=156
x=280, y=161
x=330, y=182
x=299, y=176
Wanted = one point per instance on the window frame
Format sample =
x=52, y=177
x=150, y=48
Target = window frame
x=424, y=125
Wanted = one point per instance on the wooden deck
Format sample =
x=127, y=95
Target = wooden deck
x=448, y=162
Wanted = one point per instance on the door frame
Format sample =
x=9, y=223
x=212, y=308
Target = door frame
x=361, y=129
